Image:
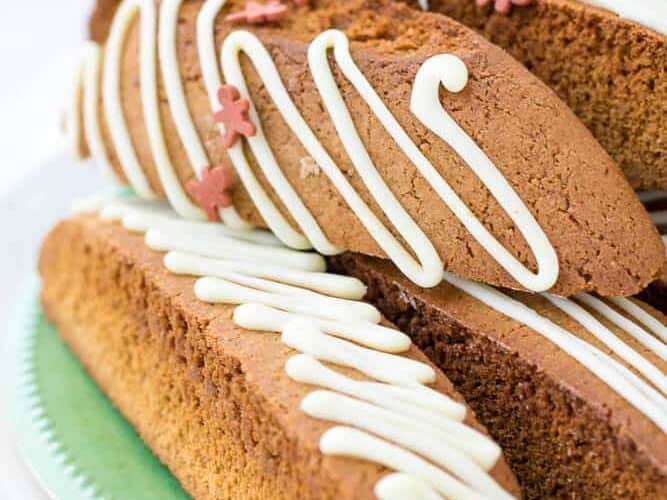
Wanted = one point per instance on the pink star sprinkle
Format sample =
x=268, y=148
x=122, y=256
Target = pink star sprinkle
x=502, y=6
x=256, y=13
x=212, y=192
x=233, y=115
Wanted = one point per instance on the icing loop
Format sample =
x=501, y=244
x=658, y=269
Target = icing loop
x=451, y=72
x=243, y=41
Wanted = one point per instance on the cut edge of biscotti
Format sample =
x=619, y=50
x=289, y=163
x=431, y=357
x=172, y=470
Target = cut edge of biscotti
x=534, y=389
x=212, y=399
x=587, y=217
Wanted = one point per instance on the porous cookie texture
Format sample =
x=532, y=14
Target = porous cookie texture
x=209, y=398
x=603, y=239
x=609, y=70
x=564, y=432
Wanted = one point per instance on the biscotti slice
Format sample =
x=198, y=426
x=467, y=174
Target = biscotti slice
x=576, y=402
x=362, y=125
x=607, y=65
x=230, y=410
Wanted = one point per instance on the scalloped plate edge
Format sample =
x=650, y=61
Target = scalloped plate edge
x=39, y=446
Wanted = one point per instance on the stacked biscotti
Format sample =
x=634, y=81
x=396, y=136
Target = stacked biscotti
x=346, y=220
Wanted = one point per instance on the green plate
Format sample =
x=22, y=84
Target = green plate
x=70, y=435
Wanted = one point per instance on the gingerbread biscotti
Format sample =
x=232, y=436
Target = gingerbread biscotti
x=605, y=59
x=573, y=390
x=365, y=121
x=237, y=412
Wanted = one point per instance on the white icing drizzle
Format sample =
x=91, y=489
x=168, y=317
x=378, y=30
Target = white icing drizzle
x=320, y=316
x=419, y=402
x=178, y=106
x=451, y=450
x=149, y=98
x=636, y=331
x=120, y=135
x=650, y=13
x=425, y=267
x=89, y=78
x=377, y=364
x=425, y=104
x=239, y=289
x=446, y=434
x=221, y=246
x=399, y=486
x=415, y=429
x=324, y=283
x=620, y=379
x=242, y=41
x=351, y=442
x=602, y=333
x=261, y=317
x=641, y=315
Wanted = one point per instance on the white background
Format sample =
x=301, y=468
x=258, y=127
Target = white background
x=39, y=45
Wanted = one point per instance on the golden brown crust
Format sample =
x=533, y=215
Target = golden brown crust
x=610, y=71
x=603, y=237
x=210, y=399
x=565, y=433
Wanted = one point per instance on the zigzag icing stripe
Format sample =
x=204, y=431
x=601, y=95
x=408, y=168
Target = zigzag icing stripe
x=425, y=267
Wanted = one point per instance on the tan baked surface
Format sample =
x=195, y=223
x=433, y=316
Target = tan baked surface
x=603, y=237
x=565, y=433
x=210, y=399
x=610, y=71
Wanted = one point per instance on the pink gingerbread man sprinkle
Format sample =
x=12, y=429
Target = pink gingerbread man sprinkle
x=502, y=6
x=212, y=192
x=255, y=13
x=233, y=115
